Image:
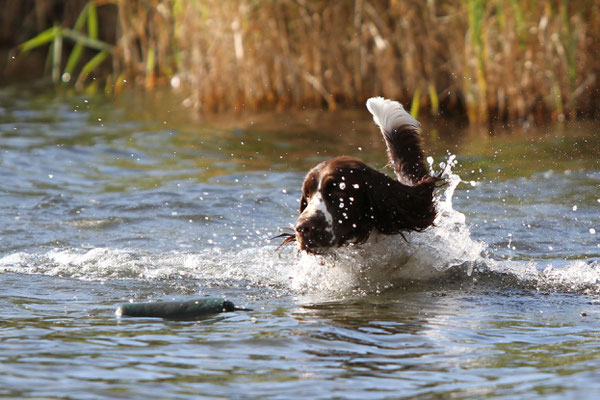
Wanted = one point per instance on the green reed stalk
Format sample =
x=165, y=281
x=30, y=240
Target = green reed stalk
x=55, y=36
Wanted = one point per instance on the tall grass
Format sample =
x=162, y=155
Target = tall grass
x=55, y=36
x=487, y=59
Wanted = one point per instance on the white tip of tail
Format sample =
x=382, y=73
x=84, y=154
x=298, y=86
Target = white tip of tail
x=389, y=115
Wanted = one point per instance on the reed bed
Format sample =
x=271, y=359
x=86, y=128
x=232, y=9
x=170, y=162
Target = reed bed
x=491, y=60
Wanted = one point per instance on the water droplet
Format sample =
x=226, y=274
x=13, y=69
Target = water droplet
x=574, y=208
x=356, y=186
x=342, y=186
x=592, y=231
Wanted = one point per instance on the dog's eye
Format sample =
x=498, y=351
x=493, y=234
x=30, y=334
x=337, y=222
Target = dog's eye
x=337, y=194
x=306, y=193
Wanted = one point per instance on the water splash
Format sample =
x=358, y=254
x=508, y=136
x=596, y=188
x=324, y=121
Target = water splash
x=443, y=250
x=385, y=260
x=578, y=276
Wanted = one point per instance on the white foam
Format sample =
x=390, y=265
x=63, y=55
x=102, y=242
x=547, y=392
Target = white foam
x=577, y=276
x=255, y=266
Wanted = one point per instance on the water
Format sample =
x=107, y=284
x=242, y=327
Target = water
x=104, y=202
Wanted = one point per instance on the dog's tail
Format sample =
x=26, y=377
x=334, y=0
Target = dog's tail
x=401, y=133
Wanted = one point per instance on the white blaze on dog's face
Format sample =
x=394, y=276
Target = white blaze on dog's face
x=317, y=206
x=317, y=213
x=314, y=227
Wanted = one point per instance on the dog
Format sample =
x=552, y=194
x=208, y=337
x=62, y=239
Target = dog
x=344, y=200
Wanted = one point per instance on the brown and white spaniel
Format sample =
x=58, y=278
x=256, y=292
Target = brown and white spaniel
x=344, y=200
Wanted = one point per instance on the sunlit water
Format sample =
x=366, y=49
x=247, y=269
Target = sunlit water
x=104, y=202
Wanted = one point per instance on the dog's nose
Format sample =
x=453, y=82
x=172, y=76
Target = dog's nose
x=303, y=228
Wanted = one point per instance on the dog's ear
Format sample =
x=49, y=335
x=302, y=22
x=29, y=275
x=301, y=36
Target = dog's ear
x=397, y=208
x=310, y=184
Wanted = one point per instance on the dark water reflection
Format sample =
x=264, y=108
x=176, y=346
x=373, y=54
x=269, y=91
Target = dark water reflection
x=102, y=202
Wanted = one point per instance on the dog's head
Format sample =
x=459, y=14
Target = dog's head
x=334, y=207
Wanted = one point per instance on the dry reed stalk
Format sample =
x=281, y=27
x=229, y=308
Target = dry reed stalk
x=145, y=40
x=488, y=59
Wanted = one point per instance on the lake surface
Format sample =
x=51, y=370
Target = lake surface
x=104, y=202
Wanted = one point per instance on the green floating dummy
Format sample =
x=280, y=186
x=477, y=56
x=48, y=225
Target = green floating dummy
x=177, y=309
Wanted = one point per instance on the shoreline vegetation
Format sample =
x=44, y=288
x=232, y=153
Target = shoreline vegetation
x=494, y=60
